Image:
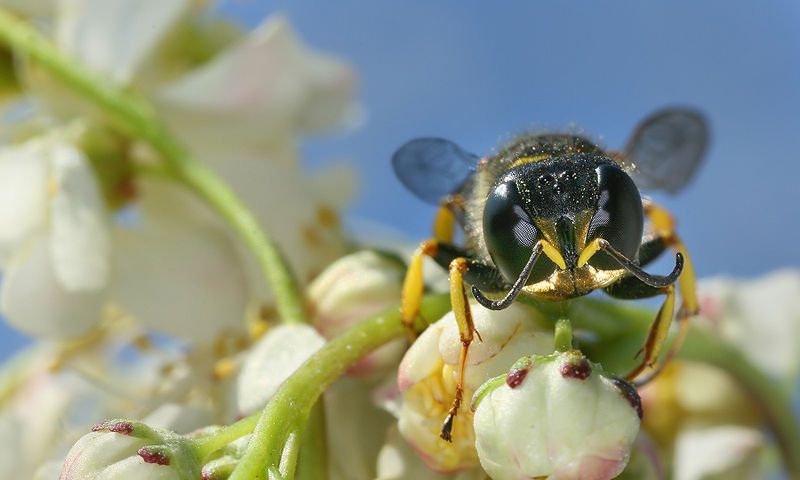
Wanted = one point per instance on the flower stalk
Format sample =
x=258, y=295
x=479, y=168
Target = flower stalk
x=134, y=115
x=290, y=407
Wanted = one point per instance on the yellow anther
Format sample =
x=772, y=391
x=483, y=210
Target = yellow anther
x=588, y=252
x=224, y=368
x=553, y=254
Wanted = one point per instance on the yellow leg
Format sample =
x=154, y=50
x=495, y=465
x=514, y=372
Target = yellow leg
x=413, y=285
x=664, y=226
x=656, y=335
x=444, y=224
x=466, y=329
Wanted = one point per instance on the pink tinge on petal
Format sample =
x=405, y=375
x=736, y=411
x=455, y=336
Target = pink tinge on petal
x=594, y=467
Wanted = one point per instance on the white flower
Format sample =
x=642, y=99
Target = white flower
x=558, y=417
x=55, y=241
x=271, y=361
x=427, y=377
x=352, y=289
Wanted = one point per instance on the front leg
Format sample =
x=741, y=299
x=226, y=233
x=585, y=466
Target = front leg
x=633, y=288
x=466, y=330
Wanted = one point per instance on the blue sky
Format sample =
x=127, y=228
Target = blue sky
x=476, y=75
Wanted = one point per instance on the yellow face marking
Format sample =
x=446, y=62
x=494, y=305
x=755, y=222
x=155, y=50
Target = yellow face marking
x=535, y=158
x=553, y=254
x=588, y=252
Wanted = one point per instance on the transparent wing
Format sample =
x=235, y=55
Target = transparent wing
x=433, y=168
x=666, y=149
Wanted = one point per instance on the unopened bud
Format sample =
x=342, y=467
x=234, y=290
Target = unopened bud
x=556, y=416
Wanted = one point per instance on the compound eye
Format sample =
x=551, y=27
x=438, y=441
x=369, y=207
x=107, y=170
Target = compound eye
x=619, y=218
x=510, y=234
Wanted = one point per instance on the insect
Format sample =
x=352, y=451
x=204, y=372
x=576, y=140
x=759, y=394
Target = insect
x=553, y=216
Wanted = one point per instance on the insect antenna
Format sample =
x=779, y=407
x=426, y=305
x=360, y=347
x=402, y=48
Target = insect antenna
x=515, y=289
x=655, y=281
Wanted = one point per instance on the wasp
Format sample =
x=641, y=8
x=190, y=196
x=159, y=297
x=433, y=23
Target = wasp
x=554, y=216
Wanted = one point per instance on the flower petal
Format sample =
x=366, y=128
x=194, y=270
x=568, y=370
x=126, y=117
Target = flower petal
x=271, y=361
x=115, y=37
x=726, y=451
x=179, y=278
x=398, y=461
x=262, y=89
x=761, y=316
x=79, y=232
x=23, y=194
x=34, y=301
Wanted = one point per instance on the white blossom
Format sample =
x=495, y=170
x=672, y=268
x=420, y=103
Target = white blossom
x=55, y=241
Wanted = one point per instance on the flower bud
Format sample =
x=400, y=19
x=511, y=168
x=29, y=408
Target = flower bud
x=353, y=288
x=427, y=377
x=121, y=449
x=556, y=416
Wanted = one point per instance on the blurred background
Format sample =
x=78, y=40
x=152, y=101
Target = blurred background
x=478, y=75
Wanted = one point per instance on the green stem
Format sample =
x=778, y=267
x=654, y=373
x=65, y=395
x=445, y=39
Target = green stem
x=135, y=115
x=313, y=459
x=293, y=401
x=207, y=445
x=563, y=335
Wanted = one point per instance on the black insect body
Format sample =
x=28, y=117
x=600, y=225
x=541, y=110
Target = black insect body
x=554, y=216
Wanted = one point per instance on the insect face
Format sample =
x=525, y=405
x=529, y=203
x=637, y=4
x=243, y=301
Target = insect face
x=566, y=201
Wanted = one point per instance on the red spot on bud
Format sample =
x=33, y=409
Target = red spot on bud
x=630, y=394
x=125, y=428
x=516, y=376
x=150, y=455
x=576, y=367
x=100, y=426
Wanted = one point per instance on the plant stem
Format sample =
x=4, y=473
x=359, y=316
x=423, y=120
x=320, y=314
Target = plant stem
x=135, y=115
x=563, y=335
x=207, y=445
x=291, y=404
x=313, y=459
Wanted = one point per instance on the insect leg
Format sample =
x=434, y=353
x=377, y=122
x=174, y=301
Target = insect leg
x=442, y=253
x=444, y=223
x=656, y=337
x=413, y=285
x=466, y=330
x=663, y=226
